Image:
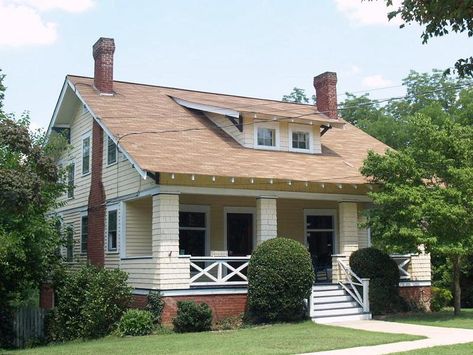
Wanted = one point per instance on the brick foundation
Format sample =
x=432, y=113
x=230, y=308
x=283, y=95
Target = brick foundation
x=417, y=295
x=222, y=306
x=46, y=296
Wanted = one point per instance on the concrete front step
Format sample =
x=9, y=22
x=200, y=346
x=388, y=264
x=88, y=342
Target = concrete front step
x=337, y=312
x=341, y=318
x=334, y=305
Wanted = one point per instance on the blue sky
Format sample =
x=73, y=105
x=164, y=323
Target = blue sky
x=252, y=48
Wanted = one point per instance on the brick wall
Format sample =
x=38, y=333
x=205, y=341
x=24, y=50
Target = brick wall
x=96, y=205
x=46, y=296
x=222, y=306
x=417, y=295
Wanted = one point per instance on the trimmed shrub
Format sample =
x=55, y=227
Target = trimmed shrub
x=192, y=317
x=89, y=303
x=136, y=322
x=155, y=306
x=441, y=298
x=6, y=327
x=280, y=278
x=383, y=273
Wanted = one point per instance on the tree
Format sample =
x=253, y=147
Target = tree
x=433, y=94
x=439, y=18
x=298, y=95
x=29, y=187
x=424, y=195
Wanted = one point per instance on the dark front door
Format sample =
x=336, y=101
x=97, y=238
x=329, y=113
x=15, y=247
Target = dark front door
x=320, y=238
x=239, y=234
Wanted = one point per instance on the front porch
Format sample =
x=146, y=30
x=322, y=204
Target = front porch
x=183, y=241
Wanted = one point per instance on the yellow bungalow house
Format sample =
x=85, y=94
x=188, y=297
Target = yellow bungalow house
x=177, y=187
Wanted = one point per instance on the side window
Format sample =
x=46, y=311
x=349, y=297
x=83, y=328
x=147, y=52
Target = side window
x=69, y=233
x=70, y=180
x=266, y=137
x=86, y=155
x=192, y=229
x=111, y=152
x=84, y=233
x=112, y=231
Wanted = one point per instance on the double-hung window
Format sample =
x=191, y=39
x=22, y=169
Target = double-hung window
x=86, y=155
x=192, y=232
x=111, y=152
x=301, y=138
x=112, y=230
x=267, y=135
x=84, y=233
x=69, y=243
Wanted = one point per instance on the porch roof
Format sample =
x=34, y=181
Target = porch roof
x=162, y=136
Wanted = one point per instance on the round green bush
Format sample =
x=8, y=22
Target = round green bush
x=280, y=278
x=441, y=298
x=136, y=322
x=192, y=317
x=383, y=273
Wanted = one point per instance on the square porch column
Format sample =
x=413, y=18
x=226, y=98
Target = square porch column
x=348, y=227
x=172, y=271
x=266, y=219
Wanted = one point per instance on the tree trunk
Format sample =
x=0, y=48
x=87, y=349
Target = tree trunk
x=456, y=285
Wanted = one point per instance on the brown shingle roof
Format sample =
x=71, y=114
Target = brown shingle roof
x=207, y=150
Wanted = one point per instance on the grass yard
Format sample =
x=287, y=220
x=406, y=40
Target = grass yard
x=461, y=349
x=438, y=319
x=271, y=339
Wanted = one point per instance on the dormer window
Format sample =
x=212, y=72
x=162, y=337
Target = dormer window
x=301, y=138
x=267, y=135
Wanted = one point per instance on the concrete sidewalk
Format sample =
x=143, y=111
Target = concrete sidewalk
x=435, y=336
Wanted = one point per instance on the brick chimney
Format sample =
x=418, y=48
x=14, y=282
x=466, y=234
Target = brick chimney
x=103, y=74
x=325, y=86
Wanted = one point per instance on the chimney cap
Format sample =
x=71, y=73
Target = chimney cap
x=325, y=77
x=103, y=44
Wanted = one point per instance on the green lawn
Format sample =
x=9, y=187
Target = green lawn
x=275, y=339
x=461, y=349
x=438, y=319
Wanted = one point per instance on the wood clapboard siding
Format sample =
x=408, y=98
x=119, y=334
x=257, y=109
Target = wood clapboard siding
x=112, y=258
x=121, y=178
x=420, y=267
x=363, y=241
x=224, y=123
x=81, y=125
x=139, y=227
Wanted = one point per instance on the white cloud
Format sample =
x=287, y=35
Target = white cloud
x=22, y=22
x=375, y=82
x=368, y=12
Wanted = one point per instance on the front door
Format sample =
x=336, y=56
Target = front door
x=239, y=234
x=320, y=239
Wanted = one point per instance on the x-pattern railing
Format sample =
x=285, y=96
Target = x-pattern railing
x=220, y=271
x=402, y=262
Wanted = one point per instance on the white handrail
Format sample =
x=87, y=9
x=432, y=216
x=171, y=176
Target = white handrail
x=354, y=281
x=219, y=271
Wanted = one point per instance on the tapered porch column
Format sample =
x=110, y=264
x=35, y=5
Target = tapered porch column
x=266, y=219
x=348, y=227
x=172, y=271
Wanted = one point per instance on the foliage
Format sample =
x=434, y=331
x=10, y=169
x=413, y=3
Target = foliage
x=89, y=303
x=298, y=95
x=383, y=273
x=6, y=328
x=192, y=317
x=136, y=322
x=433, y=94
x=29, y=186
x=439, y=18
x=441, y=298
x=425, y=190
x=155, y=305
x=280, y=277
x=229, y=323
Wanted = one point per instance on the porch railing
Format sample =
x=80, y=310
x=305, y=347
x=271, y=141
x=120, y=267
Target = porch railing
x=219, y=271
x=353, y=284
x=403, y=262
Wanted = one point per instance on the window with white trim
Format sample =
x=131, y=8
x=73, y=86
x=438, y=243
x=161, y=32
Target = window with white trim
x=112, y=230
x=301, y=138
x=192, y=231
x=267, y=135
x=69, y=239
x=86, y=155
x=84, y=233
x=112, y=152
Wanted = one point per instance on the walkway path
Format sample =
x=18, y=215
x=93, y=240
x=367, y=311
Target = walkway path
x=435, y=336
